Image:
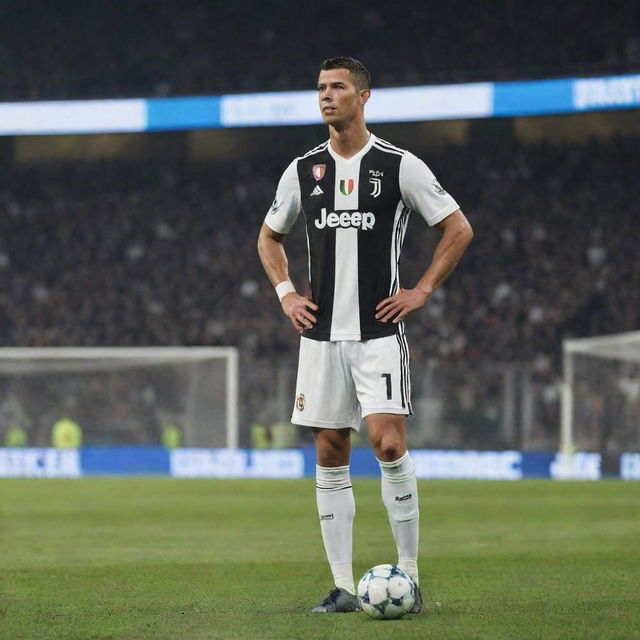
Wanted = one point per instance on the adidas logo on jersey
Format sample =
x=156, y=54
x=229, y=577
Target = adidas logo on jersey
x=317, y=191
x=346, y=220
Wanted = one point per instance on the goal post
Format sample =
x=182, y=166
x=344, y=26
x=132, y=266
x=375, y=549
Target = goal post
x=123, y=395
x=601, y=394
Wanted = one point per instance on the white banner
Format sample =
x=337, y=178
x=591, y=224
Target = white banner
x=239, y=463
x=598, y=93
x=446, y=102
x=264, y=109
x=39, y=463
x=481, y=465
x=630, y=466
x=386, y=105
x=576, y=466
x=72, y=116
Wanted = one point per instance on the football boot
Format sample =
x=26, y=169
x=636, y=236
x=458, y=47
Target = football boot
x=417, y=605
x=338, y=601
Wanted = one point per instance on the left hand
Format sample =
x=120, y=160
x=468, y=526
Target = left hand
x=401, y=304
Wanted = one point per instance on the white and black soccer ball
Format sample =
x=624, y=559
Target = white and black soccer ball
x=386, y=592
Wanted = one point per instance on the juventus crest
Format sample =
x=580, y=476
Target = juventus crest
x=377, y=187
x=375, y=180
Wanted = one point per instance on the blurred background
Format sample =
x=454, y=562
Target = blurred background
x=149, y=239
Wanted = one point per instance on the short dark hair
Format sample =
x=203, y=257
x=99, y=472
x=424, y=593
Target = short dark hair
x=359, y=73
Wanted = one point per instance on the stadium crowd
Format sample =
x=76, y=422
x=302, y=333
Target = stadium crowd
x=113, y=253
x=144, y=48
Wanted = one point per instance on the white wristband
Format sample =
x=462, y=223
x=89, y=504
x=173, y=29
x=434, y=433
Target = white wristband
x=285, y=287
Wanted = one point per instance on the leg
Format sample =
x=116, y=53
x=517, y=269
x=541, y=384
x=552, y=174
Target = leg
x=399, y=486
x=326, y=402
x=336, y=506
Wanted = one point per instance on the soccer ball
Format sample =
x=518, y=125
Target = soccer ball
x=386, y=592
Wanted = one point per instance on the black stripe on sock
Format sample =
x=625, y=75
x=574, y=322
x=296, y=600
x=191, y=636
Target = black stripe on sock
x=332, y=489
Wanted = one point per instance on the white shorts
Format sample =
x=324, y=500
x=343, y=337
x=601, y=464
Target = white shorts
x=339, y=383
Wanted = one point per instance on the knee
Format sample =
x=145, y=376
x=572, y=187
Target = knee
x=387, y=435
x=390, y=448
x=333, y=448
x=389, y=453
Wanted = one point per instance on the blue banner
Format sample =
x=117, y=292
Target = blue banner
x=543, y=97
x=133, y=460
x=297, y=463
x=173, y=114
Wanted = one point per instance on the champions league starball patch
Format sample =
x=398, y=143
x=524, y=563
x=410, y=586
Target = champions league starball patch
x=275, y=205
x=438, y=188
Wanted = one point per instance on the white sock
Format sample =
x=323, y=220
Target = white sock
x=337, y=508
x=400, y=497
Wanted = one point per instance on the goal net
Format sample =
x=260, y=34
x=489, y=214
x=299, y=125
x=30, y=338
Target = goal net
x=121, y=395
x=601, y=395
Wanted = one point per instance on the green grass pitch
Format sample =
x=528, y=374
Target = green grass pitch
x=159, y=558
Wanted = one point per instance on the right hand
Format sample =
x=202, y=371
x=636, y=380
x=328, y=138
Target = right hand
x=297, y=308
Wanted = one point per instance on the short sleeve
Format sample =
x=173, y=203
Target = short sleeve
x=421, y=191
x=286, y=205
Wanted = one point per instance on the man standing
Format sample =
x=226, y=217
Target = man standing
x=357, y=191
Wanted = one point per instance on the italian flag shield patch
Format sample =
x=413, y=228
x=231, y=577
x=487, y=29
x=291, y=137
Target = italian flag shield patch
x=346, y=186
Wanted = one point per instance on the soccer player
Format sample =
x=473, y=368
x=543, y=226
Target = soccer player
x=357, y=191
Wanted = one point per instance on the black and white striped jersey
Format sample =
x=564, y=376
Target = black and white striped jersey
x=356, y=214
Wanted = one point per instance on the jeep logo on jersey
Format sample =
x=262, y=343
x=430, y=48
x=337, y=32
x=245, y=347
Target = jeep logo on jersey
x=346, y=220
x=318, y=171
x=346, y=186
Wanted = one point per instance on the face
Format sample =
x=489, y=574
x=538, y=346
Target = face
x=340, y=101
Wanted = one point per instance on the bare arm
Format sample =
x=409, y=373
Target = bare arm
x=456, y=236
x=274, y=261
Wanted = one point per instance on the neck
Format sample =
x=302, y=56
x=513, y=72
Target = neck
x=347, y=142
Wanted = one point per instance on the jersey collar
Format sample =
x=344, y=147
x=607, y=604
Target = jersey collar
x=338, y=158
